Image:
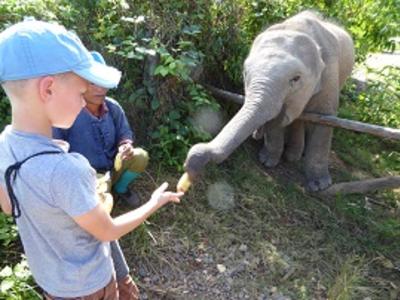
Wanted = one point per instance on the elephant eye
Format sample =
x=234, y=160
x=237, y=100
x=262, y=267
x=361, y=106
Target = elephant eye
x=294, y=80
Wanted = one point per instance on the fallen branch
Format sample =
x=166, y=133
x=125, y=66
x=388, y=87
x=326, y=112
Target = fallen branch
x=362, y=186
x=332, y=121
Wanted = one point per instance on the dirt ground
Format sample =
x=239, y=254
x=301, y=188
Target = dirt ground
x=275, y=243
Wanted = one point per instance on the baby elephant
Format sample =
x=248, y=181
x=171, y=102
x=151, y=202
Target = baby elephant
x=296, y=66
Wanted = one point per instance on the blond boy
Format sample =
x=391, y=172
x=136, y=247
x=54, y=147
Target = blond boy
x=44, y=70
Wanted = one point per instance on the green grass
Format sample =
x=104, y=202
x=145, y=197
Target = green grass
x=296, y=245
x=347, y=283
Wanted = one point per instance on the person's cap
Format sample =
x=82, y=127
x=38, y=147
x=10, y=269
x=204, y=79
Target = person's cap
x=33, y=48
x=98, y=57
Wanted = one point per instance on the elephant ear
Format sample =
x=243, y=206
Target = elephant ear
x=317, y=87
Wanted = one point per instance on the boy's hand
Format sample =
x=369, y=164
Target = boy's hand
x=162, y=197
x=99, y=223
x=126, y=150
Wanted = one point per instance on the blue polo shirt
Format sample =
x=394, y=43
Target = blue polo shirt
x=98, y=138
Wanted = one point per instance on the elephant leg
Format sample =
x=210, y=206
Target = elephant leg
x=294, y=141
x=258, y=134
x=319, y=137
x=270, y=154
x=317, y=157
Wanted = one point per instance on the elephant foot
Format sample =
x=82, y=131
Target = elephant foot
x=318, y=183
x=266, y=159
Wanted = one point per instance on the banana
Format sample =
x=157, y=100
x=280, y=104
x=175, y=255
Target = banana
x=184, y=183
x=118, y=162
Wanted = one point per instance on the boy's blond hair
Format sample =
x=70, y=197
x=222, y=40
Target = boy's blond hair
x=15, y=88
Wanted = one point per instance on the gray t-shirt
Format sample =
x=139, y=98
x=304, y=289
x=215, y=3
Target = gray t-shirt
x=65, y=260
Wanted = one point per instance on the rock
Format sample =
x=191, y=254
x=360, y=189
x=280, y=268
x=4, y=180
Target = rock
x=221, y=268
x=243, y=248
x=142, y=272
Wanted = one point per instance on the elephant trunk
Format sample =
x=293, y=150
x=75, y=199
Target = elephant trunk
x=260, y=107
x=249, y=118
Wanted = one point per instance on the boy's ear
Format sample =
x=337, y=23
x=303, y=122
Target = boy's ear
x=46, y=85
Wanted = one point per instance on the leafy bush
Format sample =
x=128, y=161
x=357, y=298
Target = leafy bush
x=160, y=45
x=380, y=102
x=174, y=136
x=5, y=111
x=371, y=23
x=17, y=283
x=8, y=231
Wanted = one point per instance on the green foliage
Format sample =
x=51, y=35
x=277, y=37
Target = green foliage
x=157, y=42
x=12, y=11
x=17, y=283
x=5, y=111
x=372, y=157
x=371, y=23
x=174, y=136
x=8, y=231
x=235, y=24
x=380, y=102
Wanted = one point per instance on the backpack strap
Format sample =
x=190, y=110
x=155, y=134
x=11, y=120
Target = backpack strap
x=10, y=176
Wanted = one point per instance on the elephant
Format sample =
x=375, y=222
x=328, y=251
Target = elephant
x=295, y=66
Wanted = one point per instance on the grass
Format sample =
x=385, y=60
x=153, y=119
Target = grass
x=276, y=240
x=347, y=282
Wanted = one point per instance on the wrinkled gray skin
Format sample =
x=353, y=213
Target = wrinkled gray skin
x=296, y=66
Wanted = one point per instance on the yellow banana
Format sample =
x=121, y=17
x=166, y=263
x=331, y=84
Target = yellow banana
x=184, y=183
x=118, y=162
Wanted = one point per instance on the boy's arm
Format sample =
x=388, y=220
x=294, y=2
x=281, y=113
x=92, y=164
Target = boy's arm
x=5, y=201
x=99, y=223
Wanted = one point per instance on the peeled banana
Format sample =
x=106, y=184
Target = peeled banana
x=184, y=183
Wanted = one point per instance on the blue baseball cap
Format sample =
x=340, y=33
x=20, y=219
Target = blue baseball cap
x=98, y=57
x=33, y=48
